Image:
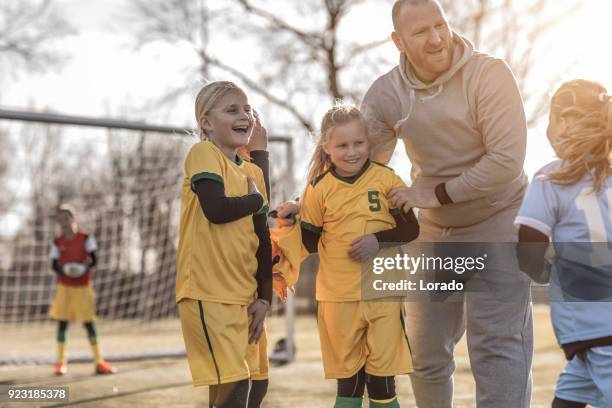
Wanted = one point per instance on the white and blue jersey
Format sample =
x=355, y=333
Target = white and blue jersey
x=579, y=223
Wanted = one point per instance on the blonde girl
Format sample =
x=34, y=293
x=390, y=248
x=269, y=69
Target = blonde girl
x=569, y=202
x=346, y=217
x=223, y=285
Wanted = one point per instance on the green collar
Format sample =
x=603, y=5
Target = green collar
x=238, y=160
x=353, y=178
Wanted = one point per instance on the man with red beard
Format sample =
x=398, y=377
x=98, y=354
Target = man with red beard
x=461, y=117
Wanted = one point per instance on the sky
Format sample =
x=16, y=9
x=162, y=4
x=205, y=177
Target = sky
x=107, y=76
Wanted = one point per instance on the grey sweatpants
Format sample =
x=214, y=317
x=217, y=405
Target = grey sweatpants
x=499, y=332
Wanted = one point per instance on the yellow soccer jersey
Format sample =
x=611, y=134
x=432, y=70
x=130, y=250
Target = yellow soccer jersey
x=216, y=262
x=342, y=210
x=254, y=172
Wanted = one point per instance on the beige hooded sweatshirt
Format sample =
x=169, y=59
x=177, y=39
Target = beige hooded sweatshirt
x=467, y=129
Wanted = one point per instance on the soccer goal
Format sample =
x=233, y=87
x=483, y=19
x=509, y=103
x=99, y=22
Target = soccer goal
x=124, y=179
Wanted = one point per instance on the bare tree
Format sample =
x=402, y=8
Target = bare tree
x=55, y=172
x=512, y=30
x=6, y=151
x=45, y=169
x=299, y=61
x=28, y=29
x=174, y=22
x=303, y=60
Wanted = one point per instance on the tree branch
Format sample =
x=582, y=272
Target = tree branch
x=248, y=81
x=357, y=50
x=312, y=40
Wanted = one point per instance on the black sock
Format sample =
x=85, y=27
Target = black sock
x=230, y=395
x=380, y=388
x=561, y=403
x=259, y=388
x=352, y=387
x=62, y=326
x=212, y=395
x=91, y=329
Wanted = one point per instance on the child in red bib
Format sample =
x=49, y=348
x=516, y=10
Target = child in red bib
x=73, y=255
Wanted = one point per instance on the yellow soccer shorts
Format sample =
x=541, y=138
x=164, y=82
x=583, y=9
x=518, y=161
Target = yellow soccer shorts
x=74, y=303
x=357, y=334
x=216, y=341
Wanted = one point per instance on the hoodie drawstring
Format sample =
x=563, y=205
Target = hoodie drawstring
x=463, y=50
x=438, y=92
x=400, y=122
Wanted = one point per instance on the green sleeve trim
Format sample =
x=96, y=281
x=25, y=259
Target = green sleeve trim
x=205, y=175
x=263, y=210
x=311, y=227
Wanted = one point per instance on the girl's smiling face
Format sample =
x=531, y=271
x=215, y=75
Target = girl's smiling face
x=229, y=124
x=348, y=147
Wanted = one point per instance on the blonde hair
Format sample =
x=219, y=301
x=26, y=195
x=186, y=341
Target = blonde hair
x=339, y=114
x=207, y=99
x=65, y=207
x=585, y=145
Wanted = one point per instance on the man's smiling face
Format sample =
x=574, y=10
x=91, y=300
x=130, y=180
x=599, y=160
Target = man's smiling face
x=424, y=35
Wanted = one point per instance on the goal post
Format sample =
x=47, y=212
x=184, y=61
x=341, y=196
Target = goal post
x=127, y=193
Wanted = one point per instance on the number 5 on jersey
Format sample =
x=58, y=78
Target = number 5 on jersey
x=374, y=200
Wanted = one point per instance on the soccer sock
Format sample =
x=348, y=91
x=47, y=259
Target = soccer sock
x=95, y=350
x=561, y=403
x=389, y=403
x=350, y=390
x=93, y=341
x=61, y=341
x=381, y=391
x=212, y=395
x=61, y=354
x=352, y=387
x=231, y=395
x=346, y=402
x=259, y=388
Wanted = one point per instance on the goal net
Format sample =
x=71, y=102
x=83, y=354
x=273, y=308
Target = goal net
x=124, y=180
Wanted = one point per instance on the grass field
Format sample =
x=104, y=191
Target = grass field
x=167, y=382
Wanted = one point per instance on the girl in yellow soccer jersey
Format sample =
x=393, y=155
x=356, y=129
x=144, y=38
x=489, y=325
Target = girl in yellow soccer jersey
x=73, y=255
x=346, y=218
x=223, y=283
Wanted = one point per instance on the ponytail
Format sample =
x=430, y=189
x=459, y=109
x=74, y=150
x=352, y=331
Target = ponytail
x=319, y=163
x=608, y=114
x=585, y=145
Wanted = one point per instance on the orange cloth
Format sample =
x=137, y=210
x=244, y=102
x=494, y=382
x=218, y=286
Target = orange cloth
x=287, y=245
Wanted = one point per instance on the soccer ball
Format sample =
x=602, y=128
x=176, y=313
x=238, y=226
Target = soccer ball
x=74, y=269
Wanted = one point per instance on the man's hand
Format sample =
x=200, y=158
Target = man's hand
x=413, y=197
x=259, y=135
x=363, y=248
x=257, y=310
